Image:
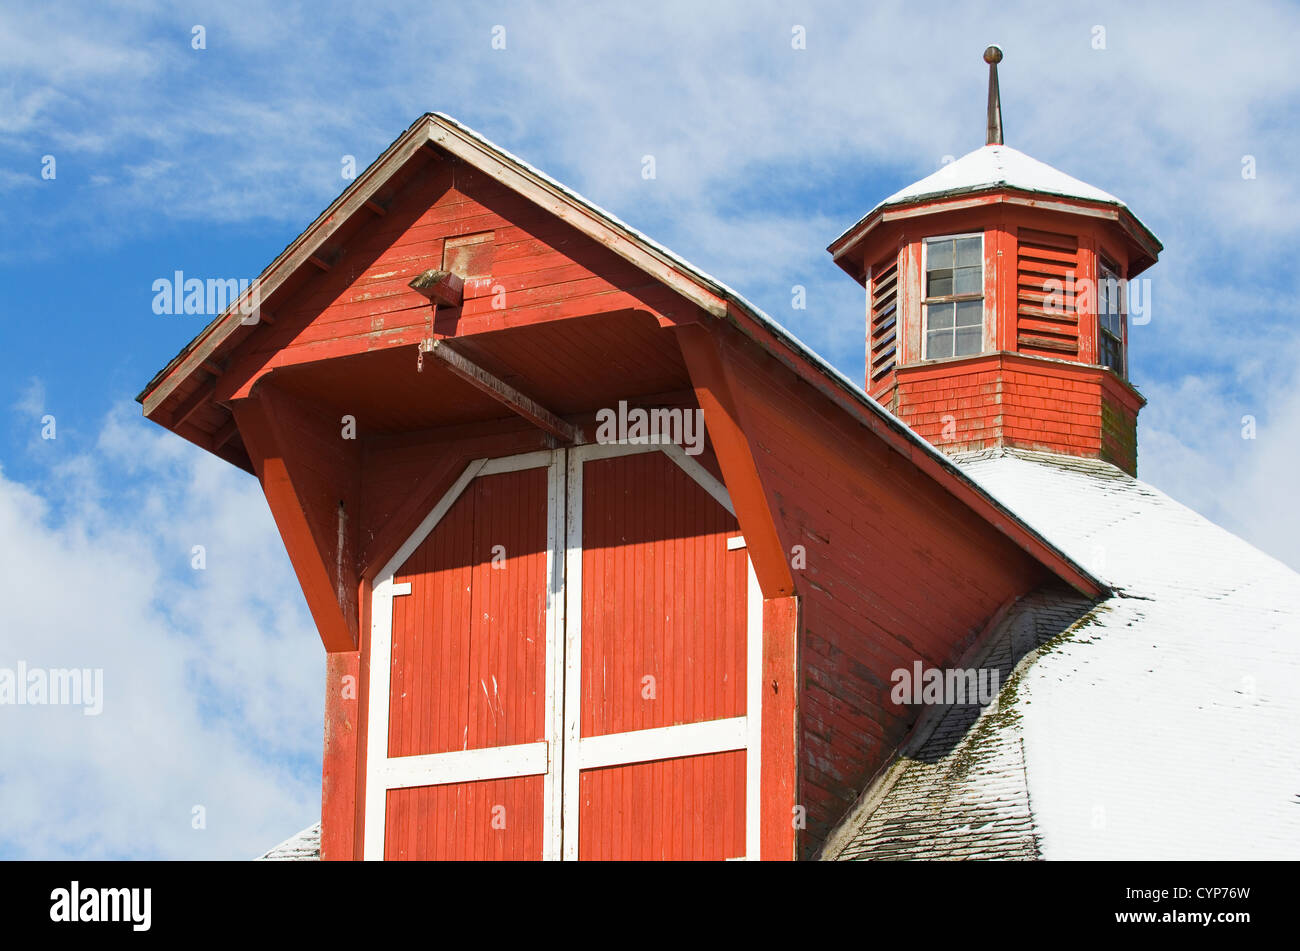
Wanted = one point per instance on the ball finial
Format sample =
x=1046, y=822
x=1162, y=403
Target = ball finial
x=993, y=55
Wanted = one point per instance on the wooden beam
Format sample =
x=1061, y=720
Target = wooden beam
x=339, y=767
x=503, y=392
x=185, y=409
x=442, y=287
x=224, y=434
x=715, y=394
x=301, y=478
x=780, y=745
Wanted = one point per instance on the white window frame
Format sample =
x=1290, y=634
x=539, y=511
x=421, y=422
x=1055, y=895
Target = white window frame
x=926, y=300
x=1121, y=287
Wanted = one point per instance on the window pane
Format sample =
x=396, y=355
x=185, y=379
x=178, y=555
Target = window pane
x=1111, y=353
x=938, y=254
x=970, y=313
x=968, y=251
x=967, y=281
x=939, y=316
x=939, y=283
x=969, y=340
x=938, y=344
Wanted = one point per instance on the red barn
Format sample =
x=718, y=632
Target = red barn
x=565, y=621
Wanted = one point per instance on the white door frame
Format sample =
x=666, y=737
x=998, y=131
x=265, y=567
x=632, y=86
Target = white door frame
x=563, y=616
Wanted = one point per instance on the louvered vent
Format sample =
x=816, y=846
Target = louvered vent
x=1047, y=320
x=882, y=346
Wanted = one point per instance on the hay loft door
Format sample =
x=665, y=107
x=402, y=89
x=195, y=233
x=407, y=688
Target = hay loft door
x=559, y=667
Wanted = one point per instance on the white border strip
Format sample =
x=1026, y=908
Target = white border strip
x=754, y=711
x=668, y=742
x=552, y=831
x=432, y=519
x=466, y=766
x=573, y=643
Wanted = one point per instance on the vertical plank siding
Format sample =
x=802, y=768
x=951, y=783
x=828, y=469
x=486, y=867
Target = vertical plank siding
x=469, y=641
x=662, y=598
x=455, y=821
x=692, y=807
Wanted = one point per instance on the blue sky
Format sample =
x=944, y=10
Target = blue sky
x=210, y=161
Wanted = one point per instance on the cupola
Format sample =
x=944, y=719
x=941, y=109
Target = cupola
x=996, y=303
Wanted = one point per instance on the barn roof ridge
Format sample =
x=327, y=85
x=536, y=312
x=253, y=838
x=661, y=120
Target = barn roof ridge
x=906, y=441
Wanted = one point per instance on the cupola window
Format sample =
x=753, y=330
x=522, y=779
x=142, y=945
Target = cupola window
x=954, y=296
x=1110, y=318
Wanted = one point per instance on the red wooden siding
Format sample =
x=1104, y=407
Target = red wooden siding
x=469, y=641
x=884, y=331
x=1040, y=302
x=542, y=269
x=455, y=821
x=897, y=571
x=1006, y=399
x=661, y=597
x=1047, y=318
x=468, y=670
x=691, y=807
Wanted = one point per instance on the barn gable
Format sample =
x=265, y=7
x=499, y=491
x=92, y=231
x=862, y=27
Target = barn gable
x=369, y=407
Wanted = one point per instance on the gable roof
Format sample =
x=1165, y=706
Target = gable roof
x=715, y=298
x=1157, y=725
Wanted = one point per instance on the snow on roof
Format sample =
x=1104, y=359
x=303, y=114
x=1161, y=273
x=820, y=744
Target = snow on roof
x=1159, y=725
x=993, y=165
x=303, y=847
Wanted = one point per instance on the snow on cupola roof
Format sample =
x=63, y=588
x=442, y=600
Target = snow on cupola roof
x=998, y=166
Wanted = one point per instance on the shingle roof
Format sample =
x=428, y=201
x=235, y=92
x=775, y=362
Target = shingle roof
x=303, y=847
x=1161, y=725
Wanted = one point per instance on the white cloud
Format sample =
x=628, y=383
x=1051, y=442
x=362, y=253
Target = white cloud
x=213, y=679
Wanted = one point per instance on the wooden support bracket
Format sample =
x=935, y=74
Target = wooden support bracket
x=503, y=392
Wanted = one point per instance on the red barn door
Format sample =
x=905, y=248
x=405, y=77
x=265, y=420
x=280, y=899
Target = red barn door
x=559, y=661
x=656, y=644
x=463, y=746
